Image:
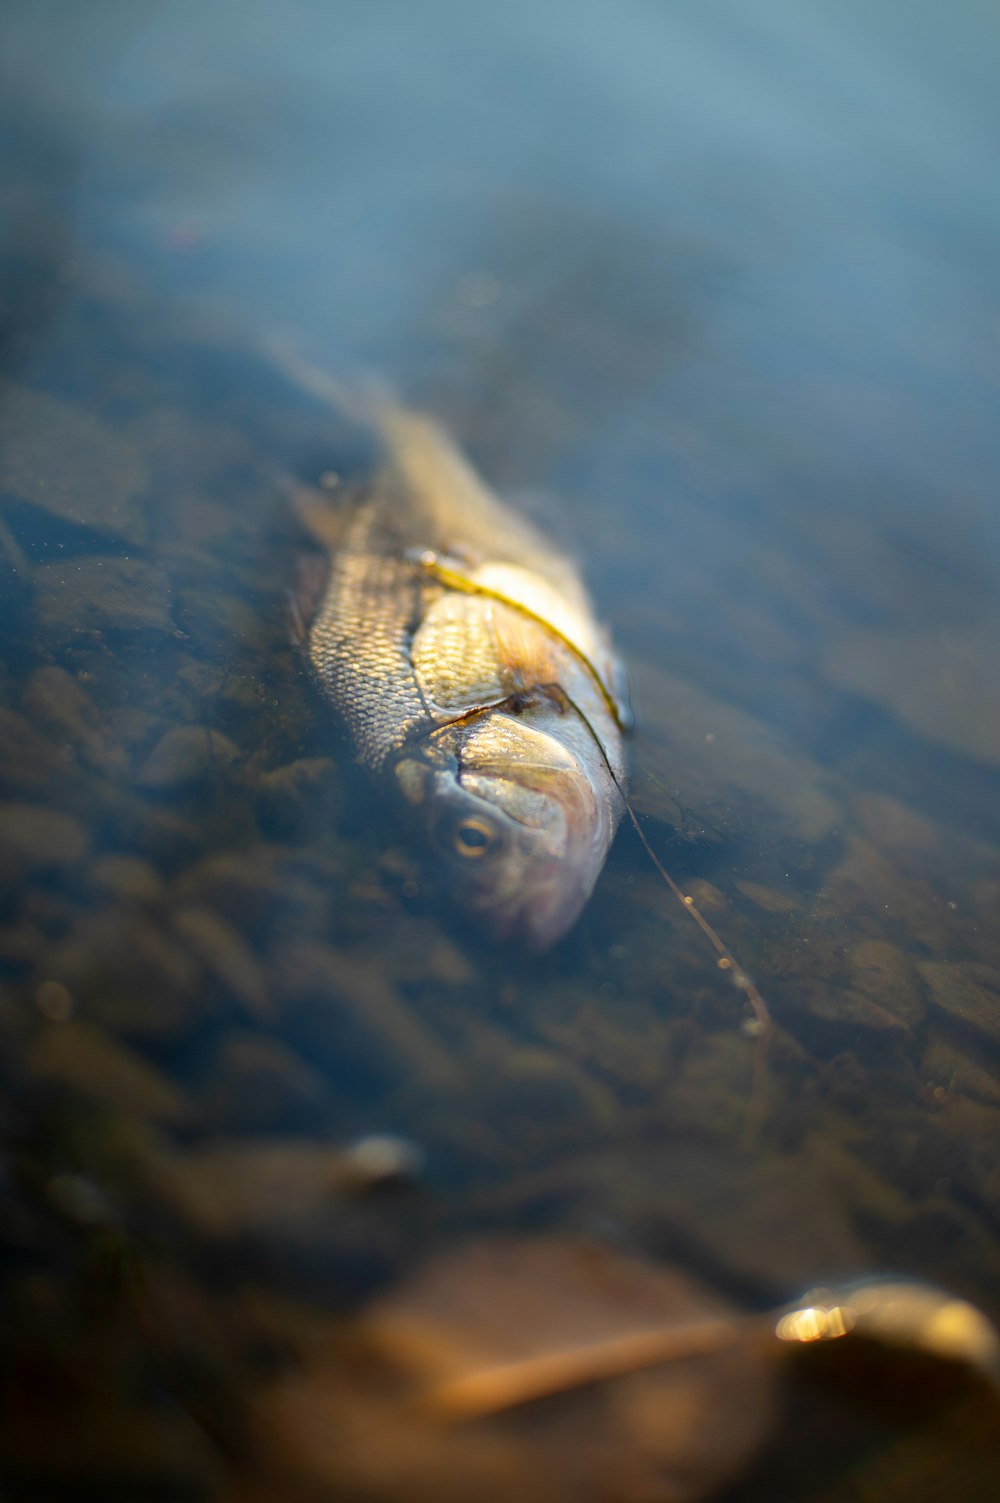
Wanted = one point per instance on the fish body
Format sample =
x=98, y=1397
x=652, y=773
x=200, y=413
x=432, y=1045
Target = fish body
x=462, y=654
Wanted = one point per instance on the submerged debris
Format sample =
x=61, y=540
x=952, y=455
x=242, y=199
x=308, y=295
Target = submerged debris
x=505, y=1324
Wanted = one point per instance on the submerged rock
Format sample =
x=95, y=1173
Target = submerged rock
x=88, y=1061
x=968, y=993
x=382, y=1159
x=40, y=839
x=882, y=975
x=351, y=984
x=257, y=1083
x=225, y=954
x=950, y=1072
x=185, y=754
x=129, y=878
x=131, y=974
x=66, y=462
x=880, y=991
x=103, y=594
x=237, y=1188
x=289, y=795
x=56, y=700
x=29, y=762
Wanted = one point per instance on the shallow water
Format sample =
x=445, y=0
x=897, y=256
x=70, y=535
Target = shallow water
x=712, y=296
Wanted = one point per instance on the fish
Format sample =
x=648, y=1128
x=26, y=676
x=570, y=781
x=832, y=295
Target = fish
x=460, y=651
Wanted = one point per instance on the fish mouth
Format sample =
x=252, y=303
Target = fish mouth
x=551, y=909
x=555, y=888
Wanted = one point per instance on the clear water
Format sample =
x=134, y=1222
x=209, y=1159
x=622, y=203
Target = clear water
x=712, y=292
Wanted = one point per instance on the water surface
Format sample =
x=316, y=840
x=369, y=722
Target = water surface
x=712, y=295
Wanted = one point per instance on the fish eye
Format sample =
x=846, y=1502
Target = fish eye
x=474, y=837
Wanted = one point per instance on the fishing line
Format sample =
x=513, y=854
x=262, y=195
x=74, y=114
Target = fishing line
x=726, y=961
x=761, y=1022
x=760, y=1025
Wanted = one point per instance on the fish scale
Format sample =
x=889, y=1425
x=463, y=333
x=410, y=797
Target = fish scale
x=454, y=656
x=360, y=644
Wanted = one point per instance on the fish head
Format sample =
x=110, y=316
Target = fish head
x=520, y=820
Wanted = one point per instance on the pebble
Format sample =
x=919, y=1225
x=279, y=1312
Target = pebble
x=55, y=699
x=256, y=1083
x=103, y=594
x=967, y=992
x=954, y=1072
x=246, y=885
x=66, y=462
x=88, y=1060
x=352, y=983
x=40, y=839
x=769, y=899
x=840, y=1004
x=383, y=1159
x=214, y=620
x=80, y=1199
x=186, y=754
x=54, y=1001
x=29, y=763
x=253, y=1185
x=289, y=795
x=21, y=944
x=296, y=778
x=130, y=974
x=15, y=571
x=883, y=976
x=128, y=878
x=224, y=952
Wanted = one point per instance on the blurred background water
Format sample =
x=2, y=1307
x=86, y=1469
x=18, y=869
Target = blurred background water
x=712, y=291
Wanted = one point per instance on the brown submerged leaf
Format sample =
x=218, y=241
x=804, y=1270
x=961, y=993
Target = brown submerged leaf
x=531, y=1369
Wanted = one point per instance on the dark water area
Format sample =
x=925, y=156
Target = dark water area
x=711, y=292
